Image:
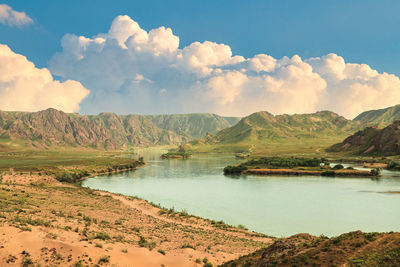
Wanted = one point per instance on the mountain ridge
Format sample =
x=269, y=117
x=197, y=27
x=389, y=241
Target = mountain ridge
x=372, y=140
x=379, y=117
x=194, y=125
x=52, y=127
x=263, y=125
x=107, y=130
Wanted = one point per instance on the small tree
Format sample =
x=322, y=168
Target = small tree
x=338, y=167
x=376, y=171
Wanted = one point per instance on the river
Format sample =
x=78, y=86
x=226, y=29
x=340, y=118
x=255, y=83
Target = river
x=274, y=205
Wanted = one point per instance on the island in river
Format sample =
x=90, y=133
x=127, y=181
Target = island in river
x=296, y=166
x=176, y=155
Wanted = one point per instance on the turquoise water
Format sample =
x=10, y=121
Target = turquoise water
x=274, y=205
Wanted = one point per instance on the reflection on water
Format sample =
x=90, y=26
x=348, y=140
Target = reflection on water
x=273, y=205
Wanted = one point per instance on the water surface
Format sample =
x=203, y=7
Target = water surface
x=274, y=205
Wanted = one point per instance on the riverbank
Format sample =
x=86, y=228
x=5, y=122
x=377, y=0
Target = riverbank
x=44, y=221
x=343, y=172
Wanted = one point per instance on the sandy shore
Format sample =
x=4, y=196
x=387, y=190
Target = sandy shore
x=46, y=222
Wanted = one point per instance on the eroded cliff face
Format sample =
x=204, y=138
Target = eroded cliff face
x=372, y=140
x=52, y=127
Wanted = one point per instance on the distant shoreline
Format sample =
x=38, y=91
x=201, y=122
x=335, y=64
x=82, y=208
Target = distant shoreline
x=294, y=172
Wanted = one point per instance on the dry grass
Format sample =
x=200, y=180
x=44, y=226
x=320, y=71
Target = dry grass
x=99, y=223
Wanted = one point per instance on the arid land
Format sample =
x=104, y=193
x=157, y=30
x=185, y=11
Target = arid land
x=44, y=222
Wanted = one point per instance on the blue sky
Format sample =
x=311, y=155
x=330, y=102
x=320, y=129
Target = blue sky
x=362, y=31
x=338, y=32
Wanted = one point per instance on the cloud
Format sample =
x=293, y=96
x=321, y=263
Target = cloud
x=12, y=17
x=27, y=88
x=130, y=70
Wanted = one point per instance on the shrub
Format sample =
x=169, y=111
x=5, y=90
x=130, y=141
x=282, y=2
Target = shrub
x=142, y=242
x=102, y=236
x=338, y=167
x=104, y=259
x=376, y=171
x=27, y=261
x=285, y=162
x=241, y=226
x=51, y=235
x=188, y=246
x=234, y=169
x=161, y=251
x=393, y=165
x=328, y=173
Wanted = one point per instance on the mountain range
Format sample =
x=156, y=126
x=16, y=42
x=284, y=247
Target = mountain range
x=54, y=128
x=262, y=126
x=195, y=125
x=380, y=117
x=326, y=128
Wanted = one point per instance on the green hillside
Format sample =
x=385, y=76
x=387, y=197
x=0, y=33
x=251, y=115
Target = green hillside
x=379, y=117
x=195, y=125
x=263, y=128
x=264, y=134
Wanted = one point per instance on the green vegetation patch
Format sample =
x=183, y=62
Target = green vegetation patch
x=274, y=163
x=176, y=155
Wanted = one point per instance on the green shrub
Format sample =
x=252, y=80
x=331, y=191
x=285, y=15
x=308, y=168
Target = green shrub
x=102, y=236
x=338, y=167
x=328, y=173
x=234, y=169
x=376, y=171
x=241, y=226
x=27, y=261
x=104, y=259
x=188, y=246
x=278, y=162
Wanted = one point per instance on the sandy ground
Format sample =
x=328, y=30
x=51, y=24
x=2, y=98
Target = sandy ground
x=17, y=246
x=46, y=223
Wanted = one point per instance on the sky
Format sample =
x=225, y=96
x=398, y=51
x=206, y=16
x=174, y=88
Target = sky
x=227, y=57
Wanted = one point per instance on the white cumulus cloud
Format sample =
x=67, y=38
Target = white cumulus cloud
x=130, y=70
x=13, y=18
x=27, y=88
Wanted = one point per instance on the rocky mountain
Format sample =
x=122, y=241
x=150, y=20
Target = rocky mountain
x=262, y=126
x=372, y=140
x=195, y=125
x=380, y=118
x=52, y=128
